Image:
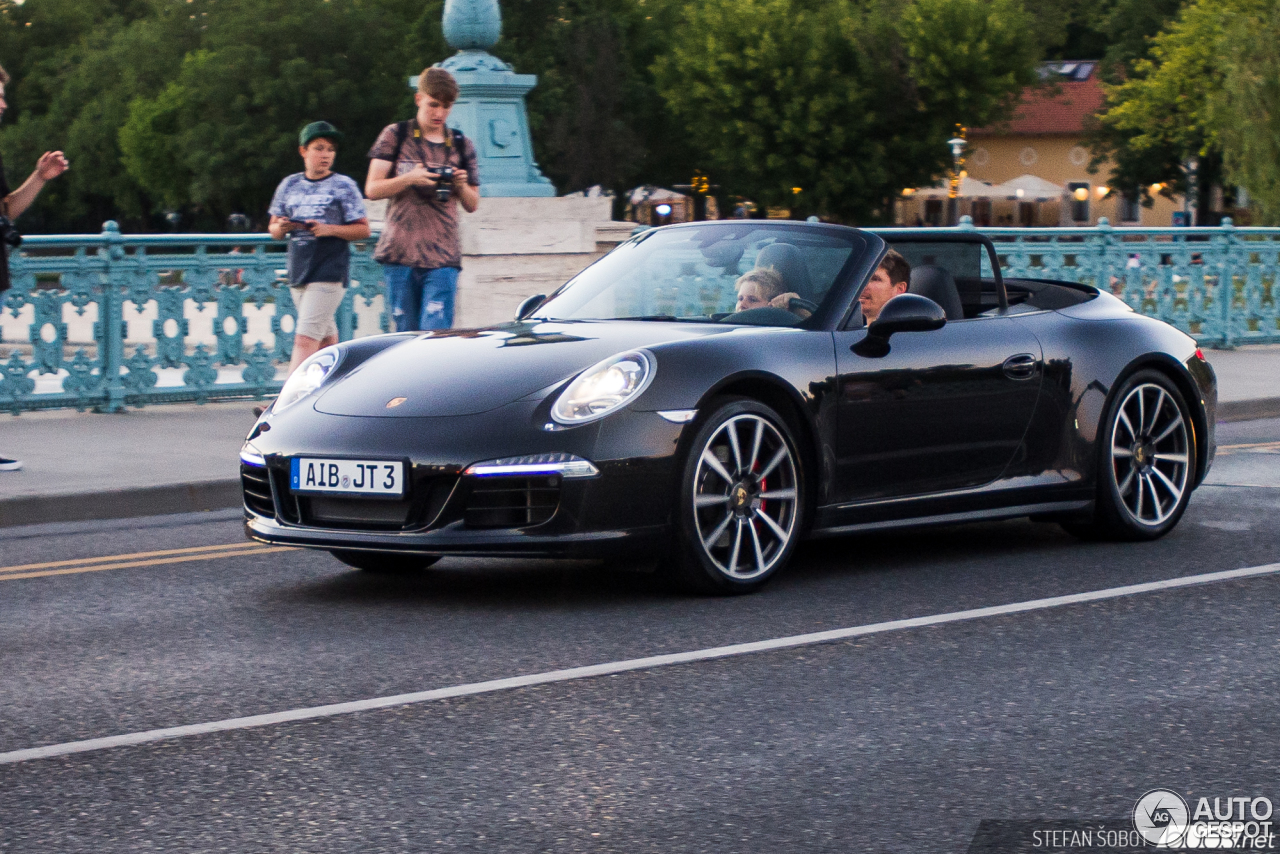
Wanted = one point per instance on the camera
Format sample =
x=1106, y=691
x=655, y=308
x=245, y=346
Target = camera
x=9, y=234
x=444, y=182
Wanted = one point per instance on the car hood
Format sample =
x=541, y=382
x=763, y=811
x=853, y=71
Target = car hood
x=468, y=371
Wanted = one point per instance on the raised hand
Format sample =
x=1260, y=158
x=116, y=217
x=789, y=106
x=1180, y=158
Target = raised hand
x=52, y=164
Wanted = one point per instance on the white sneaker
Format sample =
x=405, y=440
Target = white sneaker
x=10, y=465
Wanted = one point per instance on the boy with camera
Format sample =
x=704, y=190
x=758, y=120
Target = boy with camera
x=319, y=212
x=12, y=203
x=426, y=169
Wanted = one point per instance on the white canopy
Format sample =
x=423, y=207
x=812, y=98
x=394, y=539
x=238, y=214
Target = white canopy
x=649, y=193
x=1032, y=189
x=970, y=188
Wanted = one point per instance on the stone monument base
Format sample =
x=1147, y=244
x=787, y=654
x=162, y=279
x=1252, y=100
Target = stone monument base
x=513, y=248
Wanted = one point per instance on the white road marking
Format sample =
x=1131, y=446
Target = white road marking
x=609, y=668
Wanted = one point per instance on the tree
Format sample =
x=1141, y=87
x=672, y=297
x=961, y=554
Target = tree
x=75, y=68
x=833, y=107
x=1162, y=117
x=1246, y=110
x=596, y=115
x=223, y=132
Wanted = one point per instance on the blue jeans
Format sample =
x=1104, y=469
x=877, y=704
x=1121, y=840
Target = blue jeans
x=420, y=299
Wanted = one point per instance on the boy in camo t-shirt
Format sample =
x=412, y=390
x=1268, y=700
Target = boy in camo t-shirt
x=319, y=212
x=419, y=247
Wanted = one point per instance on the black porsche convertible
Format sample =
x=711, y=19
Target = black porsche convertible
x=636, y=411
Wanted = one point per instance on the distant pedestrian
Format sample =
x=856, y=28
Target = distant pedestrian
x=426, y=169
x=320, y=212
x=12, y=204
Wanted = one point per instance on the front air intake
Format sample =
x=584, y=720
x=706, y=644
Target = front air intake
x=256, y=483
x=511, y=502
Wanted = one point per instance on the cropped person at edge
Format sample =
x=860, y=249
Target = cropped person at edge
x=419, y=247
x=319, y=212
x=12, y=204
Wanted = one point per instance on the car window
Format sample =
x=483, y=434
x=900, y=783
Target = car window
x=694, y=274
x=968, y=263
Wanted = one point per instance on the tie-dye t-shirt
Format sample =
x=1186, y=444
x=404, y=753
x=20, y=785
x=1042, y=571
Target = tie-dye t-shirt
x=419, y=231
x=333, y=200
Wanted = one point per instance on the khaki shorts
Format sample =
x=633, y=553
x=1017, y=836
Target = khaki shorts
x=316, y=303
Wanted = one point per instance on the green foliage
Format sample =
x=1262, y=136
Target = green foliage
x=74, y=76
x=848, y=101
x=596, y=115
x=221, y=135
x=1129, y=26
x=194, y=105
x=1177, y=105
x=1246, y=109
x=1116, y=31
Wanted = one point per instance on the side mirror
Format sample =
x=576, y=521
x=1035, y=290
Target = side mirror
x=903, y=313
x=527, y=307
x=908, y=313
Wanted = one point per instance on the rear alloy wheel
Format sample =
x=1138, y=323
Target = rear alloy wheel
x=383, y=562
x=1147, y=461
x=741, y=501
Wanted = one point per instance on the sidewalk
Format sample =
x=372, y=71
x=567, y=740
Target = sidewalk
x=184, y=458
x=143, y=462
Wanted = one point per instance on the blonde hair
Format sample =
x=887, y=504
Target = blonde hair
x=766, y=279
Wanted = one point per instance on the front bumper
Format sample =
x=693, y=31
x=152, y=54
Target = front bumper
x=626, y=509
x=454, y=541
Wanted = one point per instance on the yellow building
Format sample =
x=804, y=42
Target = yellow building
x=1045, y=139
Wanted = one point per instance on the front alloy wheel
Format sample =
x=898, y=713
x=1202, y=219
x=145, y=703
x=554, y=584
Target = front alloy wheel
x=742, y=499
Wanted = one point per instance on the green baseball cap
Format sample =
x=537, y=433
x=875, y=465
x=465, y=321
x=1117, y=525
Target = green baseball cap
x=319, y=129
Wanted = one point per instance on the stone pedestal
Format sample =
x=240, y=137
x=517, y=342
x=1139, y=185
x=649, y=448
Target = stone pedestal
x=490, y=111
x=514, y=248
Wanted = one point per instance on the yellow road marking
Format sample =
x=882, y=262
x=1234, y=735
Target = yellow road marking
x=14, y=573
x=1227, y=450
x=247, y=544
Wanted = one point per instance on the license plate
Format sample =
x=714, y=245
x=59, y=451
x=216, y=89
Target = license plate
x=351, y=477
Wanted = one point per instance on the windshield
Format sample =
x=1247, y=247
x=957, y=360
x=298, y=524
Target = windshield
x=733, y=272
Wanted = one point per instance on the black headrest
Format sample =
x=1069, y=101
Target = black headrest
x=937, y=284
x=789, y=264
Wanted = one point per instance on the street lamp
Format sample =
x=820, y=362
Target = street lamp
x=957, y=145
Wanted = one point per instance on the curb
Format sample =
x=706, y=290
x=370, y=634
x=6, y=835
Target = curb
x=1249, y=410
x=225, y=494
x=120, y=504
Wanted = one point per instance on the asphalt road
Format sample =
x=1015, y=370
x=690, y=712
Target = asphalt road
x=897, y=741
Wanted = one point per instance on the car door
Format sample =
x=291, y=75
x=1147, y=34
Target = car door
x=942, y=410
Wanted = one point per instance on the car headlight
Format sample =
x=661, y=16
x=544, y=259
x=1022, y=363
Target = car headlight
x=604, y=388
x=309, y=376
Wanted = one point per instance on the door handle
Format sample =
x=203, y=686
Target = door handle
x=1020, y=367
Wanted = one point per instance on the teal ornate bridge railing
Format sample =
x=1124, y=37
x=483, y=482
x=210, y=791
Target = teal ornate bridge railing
x=106, y=321
x=1220, y=285
x=110, y=320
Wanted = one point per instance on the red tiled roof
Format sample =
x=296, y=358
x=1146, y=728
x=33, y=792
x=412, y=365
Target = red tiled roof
x=1058, y=108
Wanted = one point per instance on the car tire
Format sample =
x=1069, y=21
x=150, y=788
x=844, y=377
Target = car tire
x=741, y=503
x=1146, y=462
x=384, y=563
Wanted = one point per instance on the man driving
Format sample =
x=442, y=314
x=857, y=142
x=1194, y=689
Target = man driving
x=890, y=279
